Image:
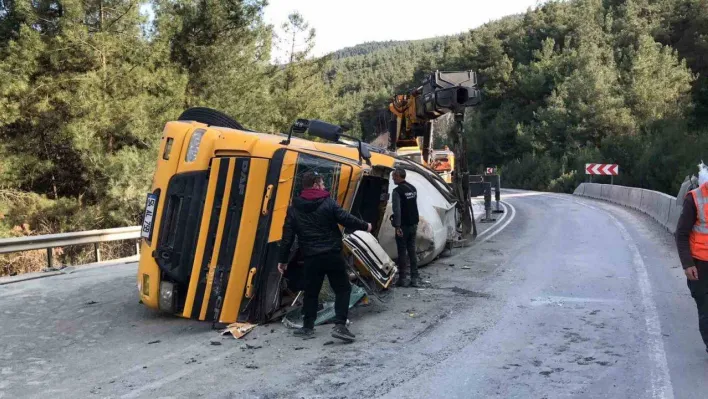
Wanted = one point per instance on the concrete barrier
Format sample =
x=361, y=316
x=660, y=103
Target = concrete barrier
x=619, y=195
x=647, y=204
x=605, y=192
x=580, y=190
x=663, y=208
x=593, y=190
x=635, y=197
x=664, y=203
x=674, y=213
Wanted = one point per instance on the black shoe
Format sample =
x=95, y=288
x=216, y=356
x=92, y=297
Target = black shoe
x=304, y=332
x=341, y=331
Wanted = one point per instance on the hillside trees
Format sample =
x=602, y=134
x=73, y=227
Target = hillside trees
x=87, y=85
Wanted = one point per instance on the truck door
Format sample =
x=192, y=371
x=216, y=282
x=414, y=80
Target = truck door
x=259, y=297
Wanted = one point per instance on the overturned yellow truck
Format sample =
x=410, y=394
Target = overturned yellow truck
x=213, y=219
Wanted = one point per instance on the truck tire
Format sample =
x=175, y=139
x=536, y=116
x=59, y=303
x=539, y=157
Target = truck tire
x=210, y=117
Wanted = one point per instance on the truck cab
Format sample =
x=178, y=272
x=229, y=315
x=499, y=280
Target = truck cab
x=214, y=216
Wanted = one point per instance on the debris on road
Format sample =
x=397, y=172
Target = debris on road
x=251, y=366
x=249, y=346
x=293, y=319
x=91, y=302
x=469, y=293
x=238, y=330
x=157, y=341
x=466, y=267
x=215, y=343
x=329, y=343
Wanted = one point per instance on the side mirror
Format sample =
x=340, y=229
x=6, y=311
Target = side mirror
x=300, y=126
x=325, y=130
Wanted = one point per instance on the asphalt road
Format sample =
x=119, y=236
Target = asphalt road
x=562, y=297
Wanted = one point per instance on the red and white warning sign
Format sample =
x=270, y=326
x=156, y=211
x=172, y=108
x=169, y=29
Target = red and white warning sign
x=607, y=169
x=490, y=171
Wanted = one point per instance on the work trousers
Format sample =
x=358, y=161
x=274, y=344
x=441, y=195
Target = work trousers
x=407, y=261
x=699, y=292
x=330, y=264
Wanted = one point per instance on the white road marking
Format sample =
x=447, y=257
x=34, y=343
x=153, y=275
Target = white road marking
x=559, y=300
x=503, y=226
x=660, y=378
x=158, y=383
x=489, y=230
x=515, y=195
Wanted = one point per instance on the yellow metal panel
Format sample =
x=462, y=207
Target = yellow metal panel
x=345, y=174
x=382, y=160
x=201, y=241
x=164, y=172
x=356, y=174
x=283, y=196
x=217, y=242
x=246, y=238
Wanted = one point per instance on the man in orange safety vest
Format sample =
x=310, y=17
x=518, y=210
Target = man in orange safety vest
x=692, y=245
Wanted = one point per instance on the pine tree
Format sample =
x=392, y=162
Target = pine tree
x=299, y=89
x=223, y=48
x=89, y=91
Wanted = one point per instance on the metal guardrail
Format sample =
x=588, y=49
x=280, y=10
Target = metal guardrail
x=50, y=241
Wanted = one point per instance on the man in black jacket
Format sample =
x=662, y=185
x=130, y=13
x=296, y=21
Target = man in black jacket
x=405, y=220
x=314, y=217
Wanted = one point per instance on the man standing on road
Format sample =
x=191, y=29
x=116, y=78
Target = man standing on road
x=314, y=217
x=692, y=245
x=405, y=221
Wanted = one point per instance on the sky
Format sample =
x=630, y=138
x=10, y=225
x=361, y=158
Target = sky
x=341, y=23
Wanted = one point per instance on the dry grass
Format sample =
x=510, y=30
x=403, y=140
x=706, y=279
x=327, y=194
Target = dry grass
x=36, y=261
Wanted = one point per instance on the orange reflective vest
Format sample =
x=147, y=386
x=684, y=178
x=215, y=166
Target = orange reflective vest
x=699, y=235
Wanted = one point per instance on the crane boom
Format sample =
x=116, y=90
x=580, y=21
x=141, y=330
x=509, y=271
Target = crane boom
x=413, y=114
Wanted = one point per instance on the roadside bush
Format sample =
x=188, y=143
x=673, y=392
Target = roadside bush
x=566, y=183
x=530, y=172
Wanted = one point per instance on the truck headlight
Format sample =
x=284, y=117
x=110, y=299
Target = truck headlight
x=193, y=147
x=166, y=301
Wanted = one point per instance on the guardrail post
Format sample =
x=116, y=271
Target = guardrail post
x=97, y=251
x=487, y=204
x=50, y=261
x=497, y=192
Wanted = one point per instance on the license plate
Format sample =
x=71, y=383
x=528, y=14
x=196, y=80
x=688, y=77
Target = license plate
x=150, y=206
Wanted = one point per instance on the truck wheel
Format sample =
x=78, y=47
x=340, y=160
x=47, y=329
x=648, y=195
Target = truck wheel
x=210, y=117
